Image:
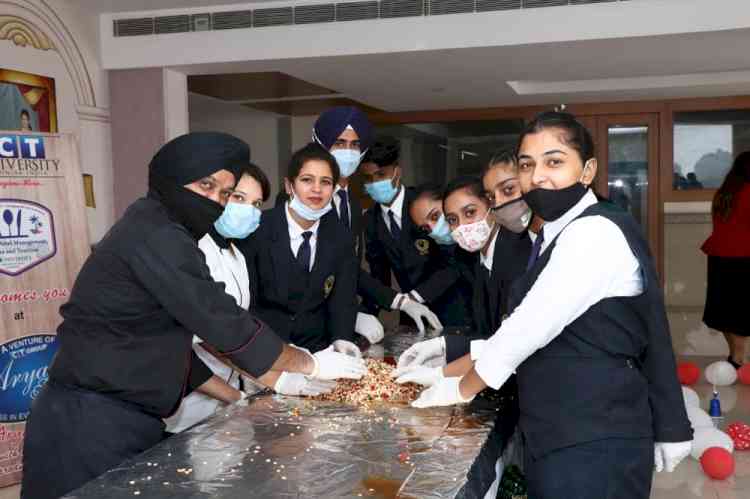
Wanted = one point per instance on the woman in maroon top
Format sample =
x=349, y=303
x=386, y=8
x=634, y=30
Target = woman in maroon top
x=728, y=251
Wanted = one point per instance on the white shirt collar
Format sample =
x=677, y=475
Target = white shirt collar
x=295, y=231
x=339, y=188
x=396, y=206
x=552, y=229
x=488, y=260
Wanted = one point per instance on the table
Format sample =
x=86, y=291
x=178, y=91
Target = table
x=288, y=447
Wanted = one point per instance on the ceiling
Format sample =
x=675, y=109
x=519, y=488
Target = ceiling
x=704, y=64
x=658, y=67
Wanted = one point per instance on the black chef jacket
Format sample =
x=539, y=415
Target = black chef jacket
x=134, y=308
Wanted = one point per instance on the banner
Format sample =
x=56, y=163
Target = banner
x=43, y=243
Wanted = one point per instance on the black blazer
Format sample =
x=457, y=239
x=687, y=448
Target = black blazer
x=491, y=292
x=416, y=261
x=329, y=307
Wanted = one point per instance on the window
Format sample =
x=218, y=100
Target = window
x=705, y=143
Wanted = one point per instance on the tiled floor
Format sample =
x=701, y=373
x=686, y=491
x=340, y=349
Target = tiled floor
x=688, y=481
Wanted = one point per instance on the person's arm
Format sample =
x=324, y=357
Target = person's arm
x=438, y=282
x=218, y=389
x=459, y=367
x=172, y=268
x=199, y=373
x=587, y=261
x=669, y=417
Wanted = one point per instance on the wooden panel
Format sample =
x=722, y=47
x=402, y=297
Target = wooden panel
x=252, y=86
x=307, y=107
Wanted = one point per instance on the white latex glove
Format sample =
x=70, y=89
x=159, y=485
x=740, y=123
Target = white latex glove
x=296, y=384
x=422, y=375
x=243, y=400
x=444, y=392
x=419, y=353
x=370, y=327
x=330, y=364
x=417, y=312
x=667, y=455
x=347, y=348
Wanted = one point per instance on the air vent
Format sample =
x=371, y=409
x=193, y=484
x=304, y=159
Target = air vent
x=438, y=7
x=200, y=22
x=172, y=24
x=325, y=13
x=308, y=14
x=356, y=11
x=401, y=8
x=492, y=5
x=233, y=20
x=273, y=17
x=134, y=27
x=529, y=4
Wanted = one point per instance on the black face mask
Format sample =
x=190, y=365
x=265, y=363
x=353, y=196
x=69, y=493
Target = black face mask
x=191, y=210
x=551, y=204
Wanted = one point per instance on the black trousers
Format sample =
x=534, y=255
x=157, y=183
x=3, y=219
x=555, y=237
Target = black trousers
x=613, y=468
x=75, y=435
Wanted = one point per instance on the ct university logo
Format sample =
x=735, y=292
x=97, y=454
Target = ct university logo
x=22, y=146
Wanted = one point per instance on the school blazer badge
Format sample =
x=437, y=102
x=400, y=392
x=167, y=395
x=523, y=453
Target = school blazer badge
x=423, y=246
x=328, y=285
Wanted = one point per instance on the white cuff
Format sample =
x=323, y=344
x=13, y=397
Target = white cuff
x=394, y=305
x=414, y=294
x=492, y=373
x=476, y=347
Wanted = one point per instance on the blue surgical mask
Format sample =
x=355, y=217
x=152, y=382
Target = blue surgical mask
x=238, y=220
x=381, y=191
x=305, y=211
x=441, y=234
x=348, y=160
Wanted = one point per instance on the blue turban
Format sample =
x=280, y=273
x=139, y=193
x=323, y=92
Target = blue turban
x=334, y=121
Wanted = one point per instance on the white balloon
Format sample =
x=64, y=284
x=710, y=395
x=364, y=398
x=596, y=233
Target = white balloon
x=721, y=373
x=703, y=438
x=699, y=418
x=690, y=397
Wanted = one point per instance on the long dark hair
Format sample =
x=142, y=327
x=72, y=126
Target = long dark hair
x=733, y=183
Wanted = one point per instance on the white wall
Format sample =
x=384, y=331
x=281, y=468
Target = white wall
x=81, y=88
x=257, y=128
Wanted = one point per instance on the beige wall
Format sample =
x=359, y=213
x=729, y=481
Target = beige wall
x=685, y=284
x=259, y=129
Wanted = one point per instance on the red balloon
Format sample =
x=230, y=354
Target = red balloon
x=718, y=463
x=743, y=373
x=688, y=373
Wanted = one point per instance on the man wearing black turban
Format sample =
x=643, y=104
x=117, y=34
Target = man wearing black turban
x=125, y=359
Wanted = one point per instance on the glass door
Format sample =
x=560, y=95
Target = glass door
x=627, y=154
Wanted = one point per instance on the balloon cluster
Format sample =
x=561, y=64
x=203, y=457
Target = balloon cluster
x=712, y=447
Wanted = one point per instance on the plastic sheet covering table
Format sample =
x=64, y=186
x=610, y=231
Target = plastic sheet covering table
x=291, y=447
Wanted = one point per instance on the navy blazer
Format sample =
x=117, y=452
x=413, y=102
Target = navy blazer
x=328, y=310
x=491, y=293
x=416, y=260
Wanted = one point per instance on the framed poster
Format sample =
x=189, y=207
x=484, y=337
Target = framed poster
x=27, y=102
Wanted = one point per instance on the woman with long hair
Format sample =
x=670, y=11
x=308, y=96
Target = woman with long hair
x=728, y=251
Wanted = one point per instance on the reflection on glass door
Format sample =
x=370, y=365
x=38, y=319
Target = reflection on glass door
x=627, y=169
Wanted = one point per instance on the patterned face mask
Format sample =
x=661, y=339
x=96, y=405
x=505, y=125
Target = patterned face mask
x=472, y=237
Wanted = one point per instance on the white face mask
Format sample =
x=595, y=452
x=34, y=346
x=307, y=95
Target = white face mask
x=472, y=237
